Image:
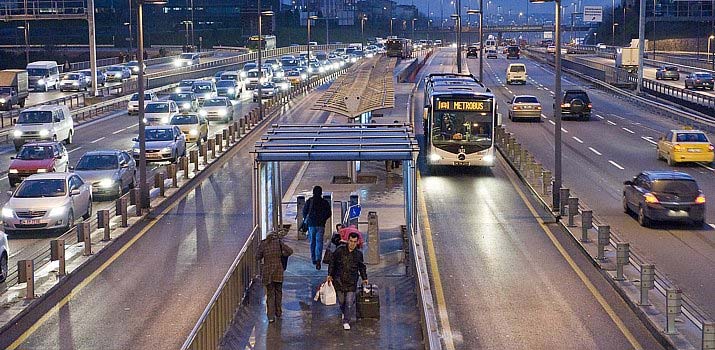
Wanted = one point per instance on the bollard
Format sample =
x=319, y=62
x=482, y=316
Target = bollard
x=205, y=152
x=194, y=158
x=586, y=224
x=563, y=200
x=57, y=253
x=515, y=153
x=523, y=159
x=647, y=282
x=224, y=136
x=604, y=236
x=171, y=170
x=137, y=201
x=159, y=183
x=373, y=238
x=242, y=126
x=184, y=161
x=708, y=335
x=123, y=210
x=623, y=256
x=573, y=210
x=218, y=144
x=545, y=182
x=673, y=303
x=103, y=222
x=84, y=234
x=299, y=217
x=26, y=274
x=236, y=134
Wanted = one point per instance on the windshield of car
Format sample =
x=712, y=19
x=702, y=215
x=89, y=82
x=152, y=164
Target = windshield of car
x=214, y=102
x=5, y=90
x=229, y=77
x=186, y=83
x=115, y=69
x=202, y=87
x=187, y=56
x=135, y=97
x=41, y=188
x=183, y=119
x=73, y=76
x=248, y=66
x=703, y=76
x=35, y=152
x=675, y=186
x=225, y=83
x=98, y=162
x=671, y=69
x=268, y=85
x=288, y=62
x=517, y=68
x=513, y=49
x=526, y=99
x=132, y=63
x=159, y=135
x=157, y=107
x=36, y=72
x=181, y=97
x=279, y=80
x=253, y=74
x=34, y=117
x=691, y=137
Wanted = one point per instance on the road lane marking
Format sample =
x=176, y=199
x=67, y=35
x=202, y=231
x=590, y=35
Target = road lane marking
x=437, y=280
x=628, y=130
x=76, y=149
x=600, y=116
x=616, y=165
x=577, y=139
x=594, y=151
x=552, y=122
x=564, y=130
x=544, y=116
x=99, y=139
x=610, y=122
x=649, y=139
x=581, y=275
x=705, y=166
x=118, y=131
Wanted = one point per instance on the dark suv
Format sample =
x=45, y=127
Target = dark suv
x=512, y=52
x=473, y=51
x=664, y=195
x=576, y=104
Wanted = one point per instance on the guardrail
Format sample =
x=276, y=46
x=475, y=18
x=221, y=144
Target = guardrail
x=691, y=99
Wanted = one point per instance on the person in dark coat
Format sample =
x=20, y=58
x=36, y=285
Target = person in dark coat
x=343, y=273
x=316, y=212
x=271, y=250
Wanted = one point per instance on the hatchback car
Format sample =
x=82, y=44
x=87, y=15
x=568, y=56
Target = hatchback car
x=134, y=67
x=185, y=85
x=204, y=89
x=109, y=172
x=47, y=202
x=219, y=108
x=187, y=59
x=491, y=53
x=33, y=158
x=194, y=126
x=472, y=51
x=118, y=73
x=268, y=90
x=667, y=72
x=133, y=104
x=187, y=101
x=699, y=80
x=680, y=146
x=73, y=82
x=524, y=107
x=295, y=77
x=664, y=196
x=577, y=104
x=163, y=142
x=101, y=76
x=227, y=88
x=160, y=112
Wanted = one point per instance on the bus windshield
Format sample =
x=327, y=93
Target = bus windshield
x=452, y=130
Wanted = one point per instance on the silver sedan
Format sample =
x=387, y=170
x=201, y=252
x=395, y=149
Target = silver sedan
x=524, y=107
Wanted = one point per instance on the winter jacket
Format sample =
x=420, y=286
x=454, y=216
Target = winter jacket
x=345, y=269
x=270, y=250
x=317, y=216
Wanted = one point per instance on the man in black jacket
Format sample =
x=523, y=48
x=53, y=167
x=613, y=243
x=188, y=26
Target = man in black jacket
x=315, y=213
x=343, y=274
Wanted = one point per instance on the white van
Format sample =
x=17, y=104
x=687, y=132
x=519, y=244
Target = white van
x=516, y=72
x=43, y=75
x=43, y=123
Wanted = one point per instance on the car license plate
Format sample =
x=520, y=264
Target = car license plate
x=694, y=150
x=30, y=222
x=678, y=213
x=461, y=163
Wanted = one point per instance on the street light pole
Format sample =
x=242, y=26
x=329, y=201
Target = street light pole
x=27, y=41
x=130, y=29
x=310, y=19
x=362, y=30
x=481, y=19
x=641, y=44
x=710, y=39
x=391, y=19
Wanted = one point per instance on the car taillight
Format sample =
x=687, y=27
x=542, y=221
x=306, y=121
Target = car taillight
x=565, y=105
x=589, y=105
x=650, y=198
x=700, y=199
x=538, y=107
x=711, y=148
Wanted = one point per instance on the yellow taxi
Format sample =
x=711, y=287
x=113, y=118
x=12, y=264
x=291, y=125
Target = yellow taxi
x=680, y=146
x=194, y=126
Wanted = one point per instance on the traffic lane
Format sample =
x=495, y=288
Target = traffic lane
x=674, y=248
x=186, y=252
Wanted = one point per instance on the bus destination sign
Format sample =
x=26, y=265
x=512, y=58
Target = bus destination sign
x=466, y=106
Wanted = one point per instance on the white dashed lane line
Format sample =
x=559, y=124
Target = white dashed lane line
x=564, y=130
x=649, y=139
x=577, y=139
x=594, y=151
x=610, y=122
x=628, y=130
x=552, y=122
x=76, y=149
x=600, y=116
x=97, y=140
x=118, y=131
x=615, y=164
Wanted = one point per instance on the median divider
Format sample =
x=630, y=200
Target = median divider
x=632, y=276
x=91, y=242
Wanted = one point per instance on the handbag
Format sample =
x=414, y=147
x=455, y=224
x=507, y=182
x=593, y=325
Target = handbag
x=328, y=255
x=284, y=258
x=304, y=225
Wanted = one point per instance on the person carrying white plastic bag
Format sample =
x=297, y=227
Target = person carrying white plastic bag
x=326, y=294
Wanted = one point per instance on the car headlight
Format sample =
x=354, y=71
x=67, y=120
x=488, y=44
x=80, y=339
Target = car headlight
x=177, y=63
x=165, y=120
x=144, y=120
x=58, y=211
x=203, y=113
x=193, y=132
x=75, y=83
x=8, y=213
x=222, y=112
x=310, y=70
x=135, y=150
x=17, y=133
x=44, y=132
x=2, y=100
x=117, y=75
x=136, y=69
x=177, y=90
x=435, y=157
x=243, y=74
x=186, y=105
x=166, y=150
x=303, y=76
x=41, y=171
x=231, y=90
x=41, y=82
x=12, y=171
x=106, y=183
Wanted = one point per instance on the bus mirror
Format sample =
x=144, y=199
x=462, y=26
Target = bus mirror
x=425, y=112
x=498, y=119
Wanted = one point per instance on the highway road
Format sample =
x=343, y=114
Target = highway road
x=599, y=155
x=154, y=292
x=501, y=278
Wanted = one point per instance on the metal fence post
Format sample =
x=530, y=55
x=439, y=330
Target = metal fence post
x=171, y=169
x=586, y=224
x=159, y=183
x=623, y=256
x=184, y=162
x=123, y=210
x=194, y=157
x=225, y=138
x=573, y=210
x=373, y=237
x=136, y=201
x=205, y=151
x=218, y=145
x=563, y=196
x=84, y=234
x=57, y=253
x=545, y=182
x=673, y=303
x=103, y=223
x=647, y=282
x=26, y=274
x=604, y=236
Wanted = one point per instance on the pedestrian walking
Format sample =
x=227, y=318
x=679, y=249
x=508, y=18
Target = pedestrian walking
x=315, y=213
x=334, y=243
x=343, y=273
x=272, y=250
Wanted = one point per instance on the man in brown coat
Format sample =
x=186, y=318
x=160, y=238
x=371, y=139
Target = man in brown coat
x=271, y=250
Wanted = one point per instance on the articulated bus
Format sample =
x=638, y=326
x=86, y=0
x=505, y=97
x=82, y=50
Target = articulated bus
x=269, y=42
x=459, y=119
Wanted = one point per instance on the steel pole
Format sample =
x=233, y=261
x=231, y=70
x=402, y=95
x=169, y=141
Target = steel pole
x=260, y=70
x=27, y=42
x=613, y=22
x=92, y=46
x=131, y=45
x=143, y=189
x=308, y=39
x=459, y=36
x=654, y=38
x=192, y=25
x=641, y=44
x=481, y=42
x=557, y=110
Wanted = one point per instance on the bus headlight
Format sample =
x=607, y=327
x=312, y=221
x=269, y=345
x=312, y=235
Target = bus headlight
x=488, y=158
x=434, y=157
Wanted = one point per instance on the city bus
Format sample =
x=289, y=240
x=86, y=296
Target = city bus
x=269, y=42
x=459, y=122
x=398, y=47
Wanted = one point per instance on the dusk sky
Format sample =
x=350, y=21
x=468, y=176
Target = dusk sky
x=514, y=5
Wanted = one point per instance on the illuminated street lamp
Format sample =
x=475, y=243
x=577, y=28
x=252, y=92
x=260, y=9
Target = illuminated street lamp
x=186, y=24
x=413, y=29
x=391, y=19
x=26, y=30
x=458, y=34
x=362, y=30
x=556, y=188
x=710, y=39
x=481, y=52
x=143, y=188
x=310, y=19
x=261, y=14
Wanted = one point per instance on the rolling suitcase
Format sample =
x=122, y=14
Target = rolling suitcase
x=368, y=302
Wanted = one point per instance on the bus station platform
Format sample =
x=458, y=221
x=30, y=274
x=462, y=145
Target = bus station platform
x=308, y=324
